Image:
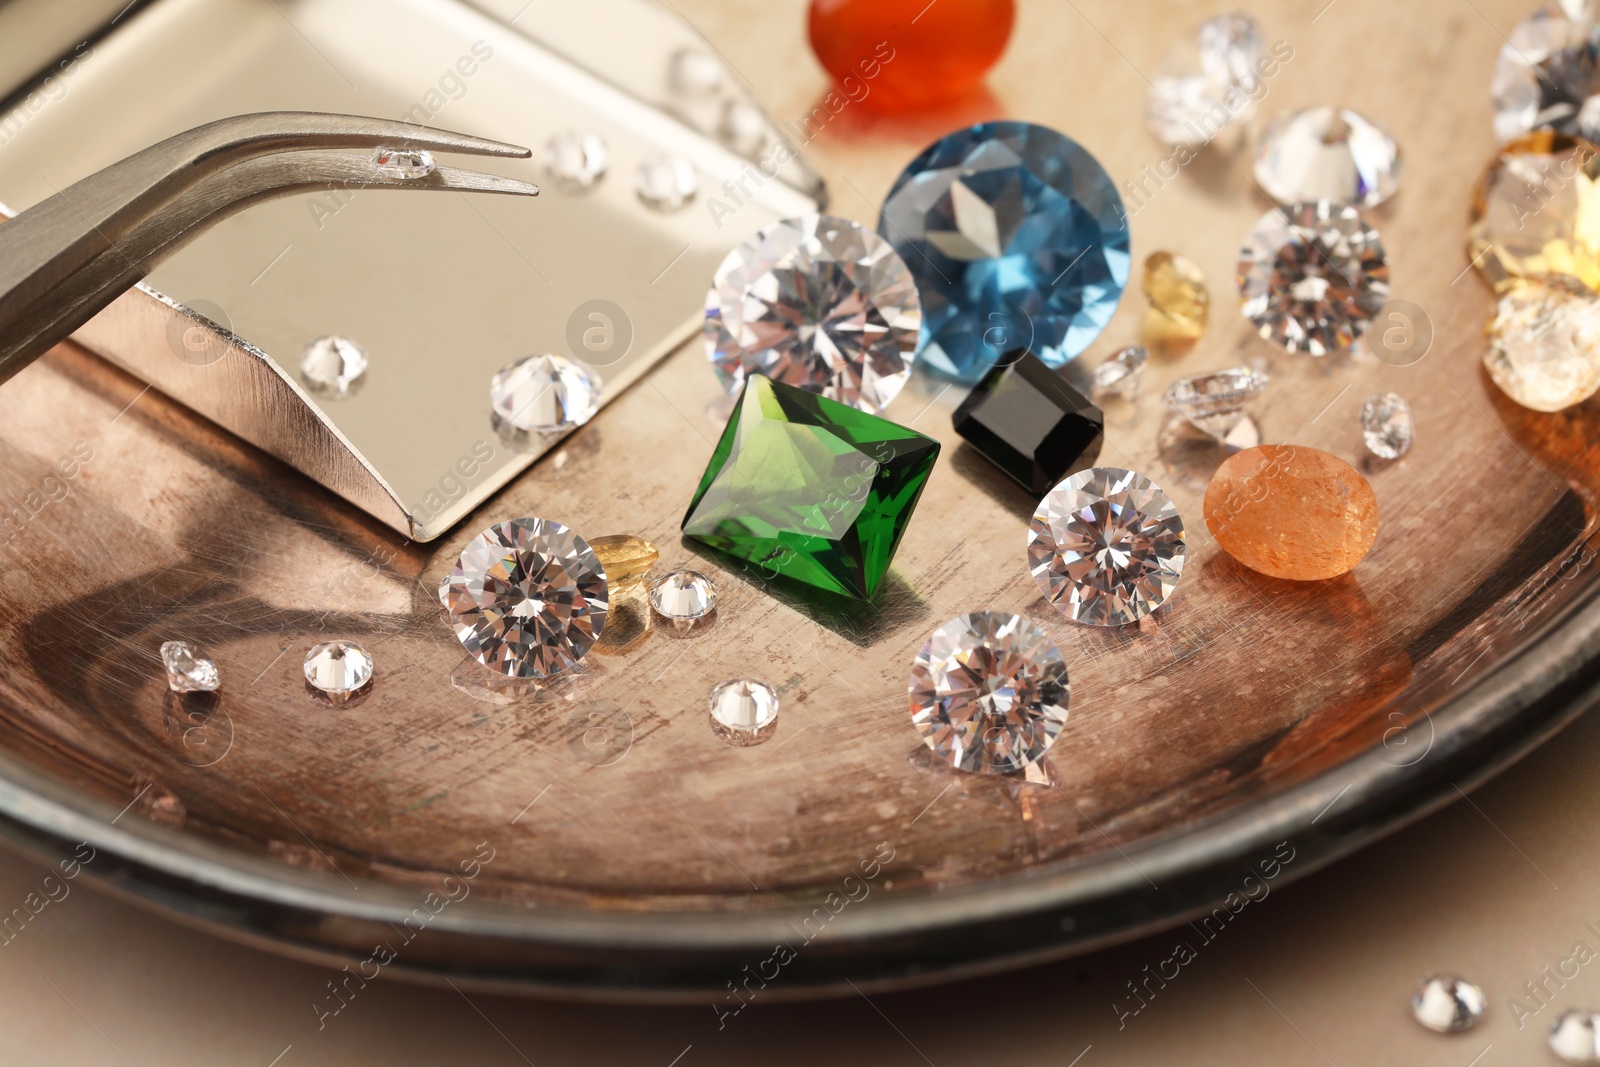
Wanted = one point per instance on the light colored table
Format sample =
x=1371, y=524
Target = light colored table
x=1497, y=887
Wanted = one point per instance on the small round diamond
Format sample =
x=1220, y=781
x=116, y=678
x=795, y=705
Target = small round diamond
x=402, y=163
x=1206, y=81
x=1327, y=153
x=338, y=668
x=1312, y=276
x=188, y=669
x=1447, y=1004
x=544, y=394
x=1575, y=1037
x=666, y=182
x=576, y=159
x=744, y=711
x=1120, y=373
x=1106, y=546
x=1216, y=402
x=527, y=598
x=743, y=127
x=1548, y=73
x=1386, y=425
x=333, y=366
x=683, y=595
x=819, y=303
x=694, y=73
x=989, y=693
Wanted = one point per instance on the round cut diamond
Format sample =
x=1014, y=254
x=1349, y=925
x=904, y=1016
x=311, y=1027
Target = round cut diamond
x=333, y=366
x=1548, y=73
x=1017, y=239
x=1327, y=153
x=1575, y=1037
x=527, y=598
x=1215, y=403
x=819, y=303
x=1386, y=425
x=1544, y=343
x=338, y=668
x=666, y=182
x=1106, y=546
x=744, y=712
x=403, y=163
x=1121, y=371
x=1536, y=211
x=544, y=394
x=188, y=670
x=1447, y=1004
x=683, y=595
x=1312, y=276
x=576, y=159
x=989, y=693
x=1205, y=81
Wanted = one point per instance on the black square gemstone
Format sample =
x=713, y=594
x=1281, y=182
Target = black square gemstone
x=1030, y=423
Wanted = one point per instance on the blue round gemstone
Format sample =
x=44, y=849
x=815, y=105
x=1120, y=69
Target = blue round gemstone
x=1017, y=239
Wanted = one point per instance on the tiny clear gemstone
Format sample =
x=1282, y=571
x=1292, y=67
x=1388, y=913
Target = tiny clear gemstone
x=1536, y=211
x=332, y=366
x=743, y=127
x=666, y=182
x=1544, y=343
x=989, y=693
x=695, y=73
x=819, y=303
x=1106, y=546
x=1312, y=277
x=338, y=668
x=683, y=595
x=1205, y=81
x=1548, y=73
x=403, y=163
x=1327, y=153
x=1179, y=304
x=744, y=712
x=1017, y=238
x=1215, y=402
x=1121, y=371
x=1386, y=425
x=626, y=558
x=544, y=394
x=527, y=598
x=1575, y=1037
x=1447, y=1004
x=576, y=159
x=188, y=671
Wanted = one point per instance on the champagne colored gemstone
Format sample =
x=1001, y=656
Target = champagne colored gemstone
x=1536, y=211
x=909, y=53
x=1544, y=343
x=1180, y=304
x=624, y=557
x=1292, y=512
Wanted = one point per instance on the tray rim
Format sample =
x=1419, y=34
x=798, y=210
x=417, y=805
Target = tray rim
x=1538, y=688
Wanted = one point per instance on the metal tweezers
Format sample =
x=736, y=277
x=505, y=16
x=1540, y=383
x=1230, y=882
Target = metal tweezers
x=67, y=257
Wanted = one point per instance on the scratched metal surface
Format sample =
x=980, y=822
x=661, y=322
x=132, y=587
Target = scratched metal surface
x=1247, y=708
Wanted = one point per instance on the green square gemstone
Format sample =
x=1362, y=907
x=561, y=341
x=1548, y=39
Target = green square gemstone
x=810, y=488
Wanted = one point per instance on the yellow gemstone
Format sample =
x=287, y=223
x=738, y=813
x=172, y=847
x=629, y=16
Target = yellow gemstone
x=1180, y=305
x=1537, y=211
x=626, y=558
x=1544, y=343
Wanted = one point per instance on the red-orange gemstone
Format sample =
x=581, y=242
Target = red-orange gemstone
x=897, y=55
x=1292, y=512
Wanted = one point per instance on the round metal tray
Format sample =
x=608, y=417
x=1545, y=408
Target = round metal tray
x=593, y=838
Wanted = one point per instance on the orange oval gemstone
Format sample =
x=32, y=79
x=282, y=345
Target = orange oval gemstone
x=897, y=55
x=1292, y=512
